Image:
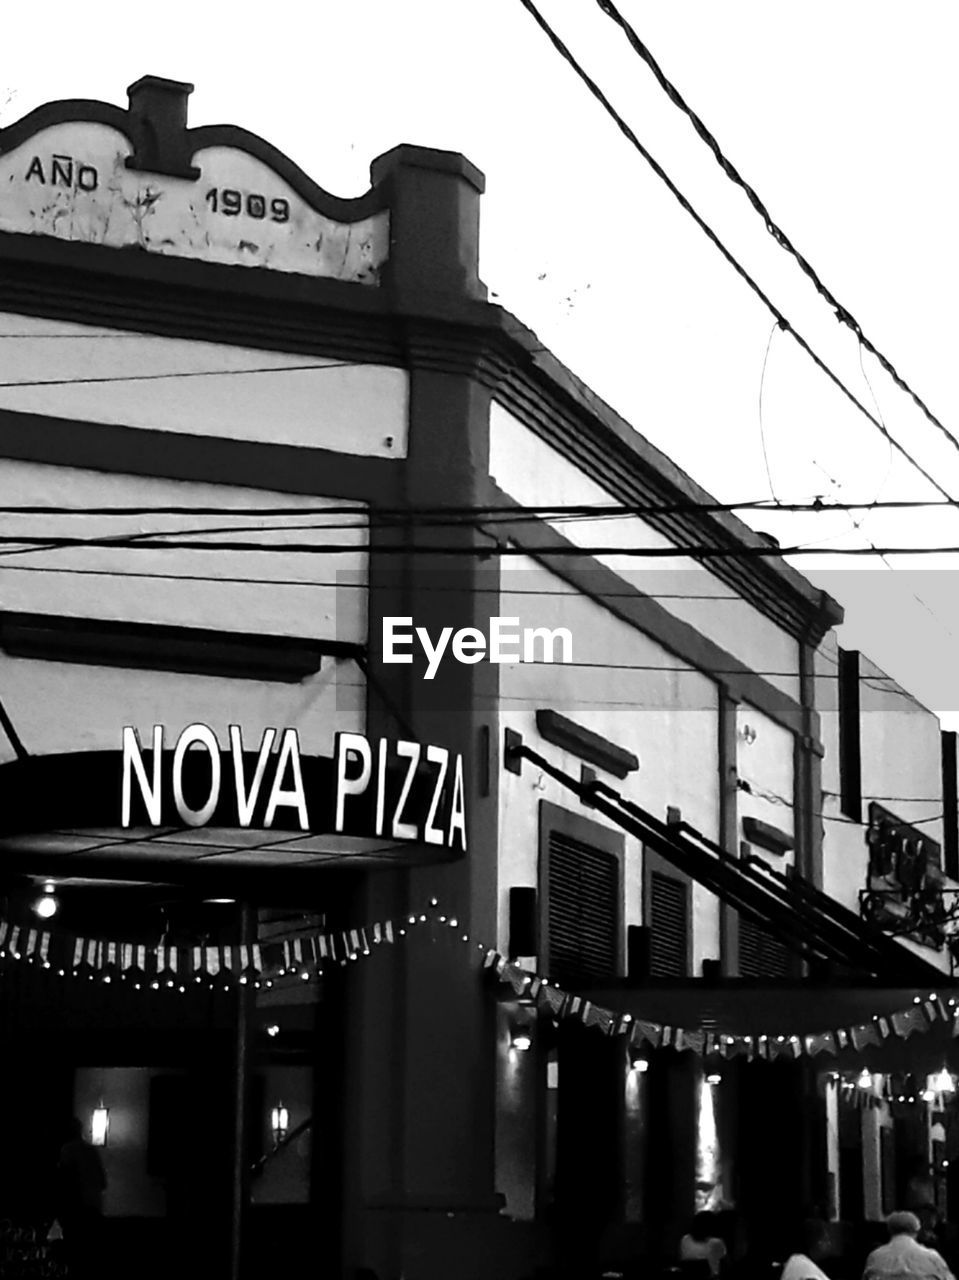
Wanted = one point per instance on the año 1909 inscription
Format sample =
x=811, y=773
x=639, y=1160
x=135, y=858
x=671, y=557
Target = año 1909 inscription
x=71, y=182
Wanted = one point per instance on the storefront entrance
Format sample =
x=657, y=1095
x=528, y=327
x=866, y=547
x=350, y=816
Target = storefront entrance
x=159, y=1063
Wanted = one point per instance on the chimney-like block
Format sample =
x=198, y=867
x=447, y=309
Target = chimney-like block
x=158, y=110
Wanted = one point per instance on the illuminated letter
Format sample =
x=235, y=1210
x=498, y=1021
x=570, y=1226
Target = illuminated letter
x=246, y=803
x=133, y=757
x=289, y=750
x=346, y=743
x=458, y=806
x=201, y=734
x=440, y=756
x=380, y=787
x=406, y=830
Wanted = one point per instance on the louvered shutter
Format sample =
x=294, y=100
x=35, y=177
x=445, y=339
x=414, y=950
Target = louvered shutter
x=668, y=916
x=760, y=954
x=582, y=910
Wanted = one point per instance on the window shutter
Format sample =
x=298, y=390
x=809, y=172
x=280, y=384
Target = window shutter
x=760, y=954
x=668, y=914
x=582, y=910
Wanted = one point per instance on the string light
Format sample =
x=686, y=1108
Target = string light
x=386, y=932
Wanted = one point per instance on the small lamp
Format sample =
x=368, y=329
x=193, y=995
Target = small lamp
x=521, y=1040
x=638, y=1062
x=46, y=906
x=279, y=1122
x=941, y=1082
x=100, y=1125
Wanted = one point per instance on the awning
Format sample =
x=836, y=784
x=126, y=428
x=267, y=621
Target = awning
x=62, y=816
x=806, y=920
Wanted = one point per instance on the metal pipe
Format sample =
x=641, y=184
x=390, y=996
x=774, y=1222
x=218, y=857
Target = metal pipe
x=245, y=1004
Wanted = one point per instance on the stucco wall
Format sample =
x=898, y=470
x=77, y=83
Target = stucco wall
x=113, y=377
x=59, y=706
x=533, y=473
x=662, y=710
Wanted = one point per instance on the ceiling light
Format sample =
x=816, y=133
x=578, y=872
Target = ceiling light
x=46, y=906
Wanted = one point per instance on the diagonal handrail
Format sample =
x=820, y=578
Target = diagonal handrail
x=259, y=1165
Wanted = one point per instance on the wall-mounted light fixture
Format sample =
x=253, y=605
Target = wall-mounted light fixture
x=865, y=1080
x=714, y=1078
x=279, y=1122
x=100, y=1125
x=47, y=905
x=521, y=1040
x=941, y=1082
x=637, y=1062
x=748, y=734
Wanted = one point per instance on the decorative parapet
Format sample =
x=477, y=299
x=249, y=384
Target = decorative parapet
x=139, y=179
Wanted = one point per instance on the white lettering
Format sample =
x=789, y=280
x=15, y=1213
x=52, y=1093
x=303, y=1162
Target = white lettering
x=391, y=639
x=294, y=798
x=469, y=645
x=246, y=801
x=204, y=737
x=433, y=655
x=458, y=807
x=440, y=756
x=549, y=638
x=497, y=638
x=406, y=830
x=381, y=786
x=133, y=758
x=347, y=743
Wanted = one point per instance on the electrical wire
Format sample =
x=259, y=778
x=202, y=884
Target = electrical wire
x=843, y=315
x=192, y=373
x=703, y=552
x=512, y=513
x=773, y=797
x=762, y=430
x=707, y=230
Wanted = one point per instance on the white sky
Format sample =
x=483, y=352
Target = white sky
x=841, y=115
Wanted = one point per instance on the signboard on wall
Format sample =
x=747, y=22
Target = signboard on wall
x=904, y=885
x=183, y=803
x=406, y=791
x=70, y=181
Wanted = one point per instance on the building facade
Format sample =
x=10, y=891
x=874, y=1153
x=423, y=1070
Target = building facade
x=261, y=450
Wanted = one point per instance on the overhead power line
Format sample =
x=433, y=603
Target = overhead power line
x=137, y=542
x=843, y=314
x=707, y=230
x=509, y=512
x=187, y=373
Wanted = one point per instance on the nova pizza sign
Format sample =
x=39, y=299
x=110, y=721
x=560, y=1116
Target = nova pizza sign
x=382, y=789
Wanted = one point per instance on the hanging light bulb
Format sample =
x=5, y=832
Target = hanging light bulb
x=46, y=906
x=100, y=1125
x=279, y=1122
